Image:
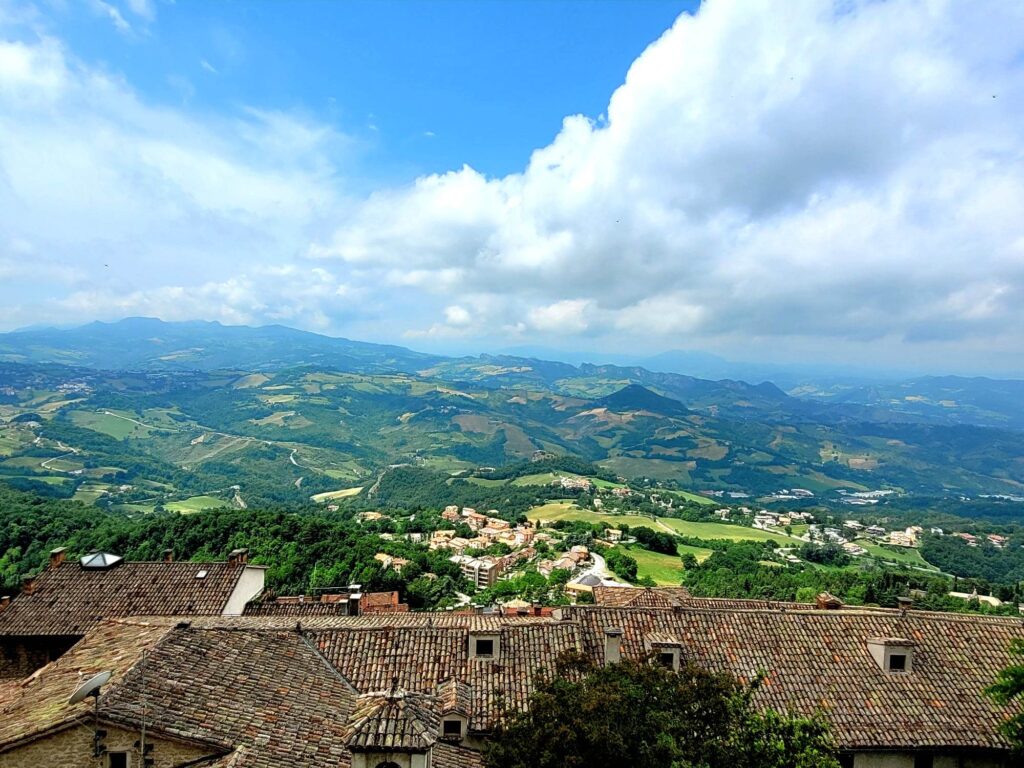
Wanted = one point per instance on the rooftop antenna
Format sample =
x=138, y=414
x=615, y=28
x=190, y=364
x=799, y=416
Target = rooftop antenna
x=91, y=687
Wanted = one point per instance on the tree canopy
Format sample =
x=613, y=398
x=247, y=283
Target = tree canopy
x=644, y=714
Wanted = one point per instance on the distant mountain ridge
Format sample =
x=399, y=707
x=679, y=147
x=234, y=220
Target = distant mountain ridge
x=141, y=343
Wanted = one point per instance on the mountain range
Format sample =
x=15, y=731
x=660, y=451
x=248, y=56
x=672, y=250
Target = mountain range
x=300, y=412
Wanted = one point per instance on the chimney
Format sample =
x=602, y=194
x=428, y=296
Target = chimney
x=4, y=602
x=904, y=603
x=612, y=645
x=828, y=602
x=28, y=585
x=354, y=603
x=238, y=556
x=168, y=555
x=57, y=557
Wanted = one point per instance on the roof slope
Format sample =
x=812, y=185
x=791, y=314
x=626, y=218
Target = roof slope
x=820, y=660
x=394, y=721
x=40, y=702
x=269, y=692
x=418, y=658
x=70, y=600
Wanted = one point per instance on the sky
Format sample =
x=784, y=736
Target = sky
x=833, y=181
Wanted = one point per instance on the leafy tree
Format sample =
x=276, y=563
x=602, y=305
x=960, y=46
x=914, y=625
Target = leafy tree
x=1009, y=689
x=644, y=714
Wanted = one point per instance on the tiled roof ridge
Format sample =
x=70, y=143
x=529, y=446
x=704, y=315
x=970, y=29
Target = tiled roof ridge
x=853, y=610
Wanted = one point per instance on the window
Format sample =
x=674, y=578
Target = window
x=484, y=647
x=118, y=760
x=667, y=659
x=898, y=662
x=388, y=764
x=846, y=760
x=923, y=761
x=452, y=729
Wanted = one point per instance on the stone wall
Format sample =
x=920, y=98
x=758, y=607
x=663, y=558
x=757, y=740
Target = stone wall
x=72, y=748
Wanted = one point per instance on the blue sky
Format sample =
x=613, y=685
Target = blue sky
x=837, y=183
x=423, y=87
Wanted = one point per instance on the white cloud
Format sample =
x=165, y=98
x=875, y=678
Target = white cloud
x=568, y=316
x=143, y=209
x=457, y=316
x=833, y=171
x=830, y=176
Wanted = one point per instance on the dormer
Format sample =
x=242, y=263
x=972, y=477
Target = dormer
x=455, y=702
x=894, y=655
x=485, y=646
x=665, y=650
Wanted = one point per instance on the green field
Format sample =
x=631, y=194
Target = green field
x=901, y=555
x=562, y=510
x=110, y=424
x=48, y=479
x=195, y=504
x=342, y=494
x=694, y=497
x=664, y=569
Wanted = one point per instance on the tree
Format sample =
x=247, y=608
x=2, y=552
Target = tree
x=1009, y=689
x=640, y=713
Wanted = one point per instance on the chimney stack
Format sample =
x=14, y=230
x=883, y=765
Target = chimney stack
x=238, y=556
x=612, y=645
x=904, y=603
x=4, y=602
x=28, y=585
x=57, y=557
x=168, y=555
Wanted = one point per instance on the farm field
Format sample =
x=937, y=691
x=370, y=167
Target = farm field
x=118, y=425
x=195, y=504
x=566, y=511
x=696, y=498
x=904, y=556
x=342, y=494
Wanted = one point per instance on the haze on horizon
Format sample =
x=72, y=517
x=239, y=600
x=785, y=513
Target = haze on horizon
x=838, y=183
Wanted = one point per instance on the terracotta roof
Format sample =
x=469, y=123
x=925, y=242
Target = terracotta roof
x=669, y=597
x=40, y=702
x=442, y=619
x=70, y=600
x=296, y=610
x=393, y=721
x=267, y=691
x=820, y=659
x=454, y=697
x=418, y=658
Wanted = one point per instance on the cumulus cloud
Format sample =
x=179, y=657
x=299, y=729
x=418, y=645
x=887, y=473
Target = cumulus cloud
x=820, y=175
x=833, y=170
x=137, y=208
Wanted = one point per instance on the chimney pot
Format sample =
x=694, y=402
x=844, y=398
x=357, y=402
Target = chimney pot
x=28, y=585
x=4, y=602
x=168, y=555
x=57, y=556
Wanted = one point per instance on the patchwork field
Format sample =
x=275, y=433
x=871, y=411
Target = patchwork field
x=342, y=494
x=196, y=504
x=665, y=570
x=566, y=511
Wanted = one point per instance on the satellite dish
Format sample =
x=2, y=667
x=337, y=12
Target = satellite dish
x=90, y=687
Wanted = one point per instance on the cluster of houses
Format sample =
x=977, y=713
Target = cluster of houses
x=995, y=539
x=112, y=664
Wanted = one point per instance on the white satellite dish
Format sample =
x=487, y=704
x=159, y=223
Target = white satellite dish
x=90, y=687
